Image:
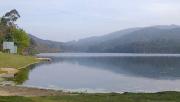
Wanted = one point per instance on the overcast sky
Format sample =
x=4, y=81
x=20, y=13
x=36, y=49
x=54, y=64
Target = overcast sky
x=65, y=20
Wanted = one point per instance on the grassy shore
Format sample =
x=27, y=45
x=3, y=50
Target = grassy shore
x=128, y=97
x=15, y=61
x=25, y=94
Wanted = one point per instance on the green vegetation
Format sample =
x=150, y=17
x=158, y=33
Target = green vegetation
x=20, y=38
x=127, y=97
x=15, y=61
x=9, y=31
x=21, y=76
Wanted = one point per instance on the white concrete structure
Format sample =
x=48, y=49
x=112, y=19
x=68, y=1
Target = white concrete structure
x=10, y=46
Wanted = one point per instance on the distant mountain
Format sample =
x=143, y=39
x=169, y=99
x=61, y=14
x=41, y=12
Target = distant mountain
x=84, y=45
x=46, y=46
x=154, y=39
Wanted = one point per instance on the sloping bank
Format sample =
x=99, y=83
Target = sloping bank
x=10, y=64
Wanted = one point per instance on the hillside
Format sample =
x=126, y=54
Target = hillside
x=153, y=39
x=46, y=46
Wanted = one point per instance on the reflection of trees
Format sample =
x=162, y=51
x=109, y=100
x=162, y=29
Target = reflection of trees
x=150, y=67
x=23, y=75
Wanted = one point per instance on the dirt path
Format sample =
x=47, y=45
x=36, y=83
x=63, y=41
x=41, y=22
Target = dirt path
x=24, y=91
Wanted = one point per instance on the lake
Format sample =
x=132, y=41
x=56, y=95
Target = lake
x=105, y=72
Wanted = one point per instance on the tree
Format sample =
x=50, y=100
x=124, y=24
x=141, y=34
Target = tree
x=20, y=38
x=10, y=32
x=10, y=17
x=7, y=23
x=8, y=37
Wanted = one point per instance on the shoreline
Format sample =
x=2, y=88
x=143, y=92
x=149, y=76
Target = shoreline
x=9, y=90
x=11, y=72
x=94, y=92
x=38, y=58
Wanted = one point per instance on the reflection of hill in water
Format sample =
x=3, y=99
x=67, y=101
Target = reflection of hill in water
x=150, y=67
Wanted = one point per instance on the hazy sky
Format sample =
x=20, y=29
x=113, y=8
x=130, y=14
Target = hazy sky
x=65, y=20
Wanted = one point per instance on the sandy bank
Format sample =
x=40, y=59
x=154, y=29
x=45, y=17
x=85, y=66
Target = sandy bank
x=10, y=72
x=25, y=91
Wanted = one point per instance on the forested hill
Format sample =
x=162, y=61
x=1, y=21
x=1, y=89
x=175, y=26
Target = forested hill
x=154, y=39
x=46, y=46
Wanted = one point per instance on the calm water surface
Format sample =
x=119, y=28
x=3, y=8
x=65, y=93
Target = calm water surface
x=106, y=72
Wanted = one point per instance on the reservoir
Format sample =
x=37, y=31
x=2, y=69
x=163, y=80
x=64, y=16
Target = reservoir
x=105, y=72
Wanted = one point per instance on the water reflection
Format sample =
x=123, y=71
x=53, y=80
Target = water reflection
x=150, y=67
x=157, y=73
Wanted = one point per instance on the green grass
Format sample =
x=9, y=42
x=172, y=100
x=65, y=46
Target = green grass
x=15, y=61
x=128, y=97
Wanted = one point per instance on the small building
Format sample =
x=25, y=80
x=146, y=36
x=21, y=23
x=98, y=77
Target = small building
x=10, y=47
